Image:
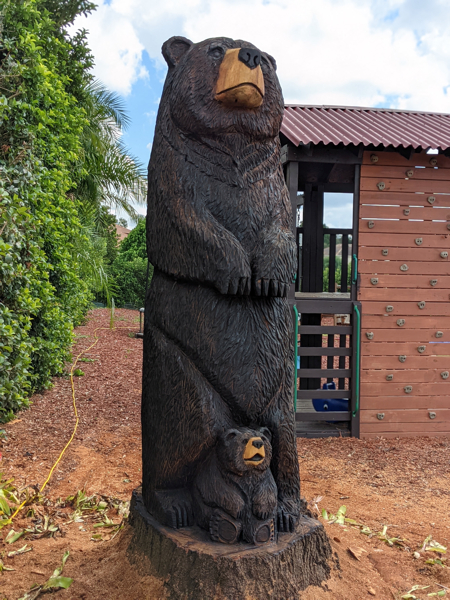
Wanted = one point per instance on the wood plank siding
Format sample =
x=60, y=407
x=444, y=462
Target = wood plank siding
x=404, y=289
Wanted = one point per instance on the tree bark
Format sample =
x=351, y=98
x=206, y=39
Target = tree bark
x=197, y=569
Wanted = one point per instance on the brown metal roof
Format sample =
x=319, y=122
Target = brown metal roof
x=355, y=125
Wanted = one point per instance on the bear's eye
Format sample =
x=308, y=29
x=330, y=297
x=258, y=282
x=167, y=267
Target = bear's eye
x=216, y=52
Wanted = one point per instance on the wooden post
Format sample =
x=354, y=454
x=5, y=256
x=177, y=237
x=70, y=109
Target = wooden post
x=292, y=185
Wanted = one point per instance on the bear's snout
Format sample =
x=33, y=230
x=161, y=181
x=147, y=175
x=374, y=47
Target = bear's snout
x=241, y=81
x=250, y=57
x=254, y=452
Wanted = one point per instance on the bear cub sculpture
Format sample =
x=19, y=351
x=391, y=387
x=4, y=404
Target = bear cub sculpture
x=218, y=338
x=235, y=493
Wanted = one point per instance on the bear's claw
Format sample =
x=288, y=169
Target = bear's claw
x=238, y=286
x=287, y=517
x=286, y=522
x=182, y=515
x=174, y=507
x=262, y=516
x=269, y=287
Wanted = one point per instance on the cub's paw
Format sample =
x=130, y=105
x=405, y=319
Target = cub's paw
x=263, y=512
x=224, y=528
x=287, y=516
x=264, y=533
x=269, y=287
x=260, y=514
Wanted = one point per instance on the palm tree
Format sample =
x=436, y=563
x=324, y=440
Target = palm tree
x=107, y=174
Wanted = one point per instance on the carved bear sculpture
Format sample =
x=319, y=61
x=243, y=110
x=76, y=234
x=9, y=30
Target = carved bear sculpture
x=218, y=349
x=234, y=492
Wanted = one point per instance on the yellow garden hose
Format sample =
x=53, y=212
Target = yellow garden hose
x=76, y=420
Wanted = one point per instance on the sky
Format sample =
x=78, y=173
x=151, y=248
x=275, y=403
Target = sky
x=380, y=53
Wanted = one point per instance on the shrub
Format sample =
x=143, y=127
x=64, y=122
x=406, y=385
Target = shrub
x=130, y=278
x=129, y=270
x=42, y=293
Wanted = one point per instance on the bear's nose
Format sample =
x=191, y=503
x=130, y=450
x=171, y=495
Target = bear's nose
x=257, y=443
x=250, y=57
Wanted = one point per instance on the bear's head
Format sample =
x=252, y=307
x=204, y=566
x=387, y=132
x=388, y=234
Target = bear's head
x=242, y=450
x=221, y=86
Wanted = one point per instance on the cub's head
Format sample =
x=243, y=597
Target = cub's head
x=222, y=85
x=244, y=450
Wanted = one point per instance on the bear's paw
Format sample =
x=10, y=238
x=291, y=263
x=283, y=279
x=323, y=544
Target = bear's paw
x=287, y=516
x=224, y=528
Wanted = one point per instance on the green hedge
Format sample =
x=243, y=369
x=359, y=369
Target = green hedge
x=129, y=269
x=129, y=277
x=42, y=295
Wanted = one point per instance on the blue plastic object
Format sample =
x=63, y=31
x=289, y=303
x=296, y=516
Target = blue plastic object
x=330, y=404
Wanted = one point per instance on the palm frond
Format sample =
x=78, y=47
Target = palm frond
x=106, y=105
x=109, y=174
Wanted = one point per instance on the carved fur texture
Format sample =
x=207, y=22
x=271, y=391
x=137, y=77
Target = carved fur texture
x=218, y=348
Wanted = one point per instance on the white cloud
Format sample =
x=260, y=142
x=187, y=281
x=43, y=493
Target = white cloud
x=338, y=210
x=116, y=48
x=348, y=52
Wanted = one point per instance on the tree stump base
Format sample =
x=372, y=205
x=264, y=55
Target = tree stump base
x=195, y=568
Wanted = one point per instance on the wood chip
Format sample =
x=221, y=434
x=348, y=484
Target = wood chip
x=37, y=572
x=356, y=552
x=372, y=592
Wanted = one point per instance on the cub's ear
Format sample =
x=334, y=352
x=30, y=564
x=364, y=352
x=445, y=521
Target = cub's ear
x=266, y=433
x=231, y=434
x=174, y=49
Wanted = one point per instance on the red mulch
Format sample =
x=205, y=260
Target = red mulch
x=400, y=483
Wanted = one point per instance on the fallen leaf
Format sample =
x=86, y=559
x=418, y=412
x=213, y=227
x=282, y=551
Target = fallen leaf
x=13, y=536
x=20, y=551
x=430, y=545
x=356, y=552
x=410, y=596
x=4, y=568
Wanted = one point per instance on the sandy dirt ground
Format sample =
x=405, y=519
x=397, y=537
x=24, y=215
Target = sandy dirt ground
x=401, y=484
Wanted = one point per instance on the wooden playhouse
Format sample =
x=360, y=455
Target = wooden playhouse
x=373, y=296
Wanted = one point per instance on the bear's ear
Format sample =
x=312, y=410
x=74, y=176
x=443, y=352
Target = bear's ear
x=266, y=433
x=174, y=49
x=231, y=434
x=273, y=61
